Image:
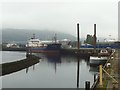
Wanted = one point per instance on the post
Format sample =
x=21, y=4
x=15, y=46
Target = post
x=94, y=77
x=55, y=37
x=78, y=39
x=94, y=42
x=78, y=46
x=87, y=85
x=98, y=45
x=100, y=70
x=27, y=52
x=33, y=36
x=78, y=72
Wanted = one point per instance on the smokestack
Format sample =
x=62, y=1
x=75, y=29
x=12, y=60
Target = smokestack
x=94, y=36
x=119, y=21
x=78, y=39
x=95, y=29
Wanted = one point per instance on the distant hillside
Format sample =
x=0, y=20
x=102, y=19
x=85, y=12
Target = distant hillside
x=22, y=35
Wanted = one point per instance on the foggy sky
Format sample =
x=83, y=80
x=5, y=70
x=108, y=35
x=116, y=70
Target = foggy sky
x=63, y=16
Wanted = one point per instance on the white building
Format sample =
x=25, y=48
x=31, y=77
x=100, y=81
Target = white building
x=12, y=45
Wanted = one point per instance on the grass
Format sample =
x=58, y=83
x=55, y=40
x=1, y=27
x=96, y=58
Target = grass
x=104, y=87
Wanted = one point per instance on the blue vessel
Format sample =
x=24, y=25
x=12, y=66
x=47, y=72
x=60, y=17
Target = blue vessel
x=50, y=48
x=113, y=45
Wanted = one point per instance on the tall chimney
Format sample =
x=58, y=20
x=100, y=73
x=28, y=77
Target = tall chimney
x=94, y=37
x=119, y=21
x=78, y=39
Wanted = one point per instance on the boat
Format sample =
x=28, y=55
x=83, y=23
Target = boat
x=50, y=48
x=65, y=43
x=94, y=70
x=97, y=60
x=34, y=45
x=103, y=52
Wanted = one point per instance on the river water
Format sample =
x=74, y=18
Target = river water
x=59, y=71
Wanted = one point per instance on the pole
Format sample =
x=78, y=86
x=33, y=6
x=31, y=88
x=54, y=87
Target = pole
x=55, y=37
x=78, y=46
x=95, y=37
x=94, y=77
x=100, y=70
x=78, y=39
x=78, y=72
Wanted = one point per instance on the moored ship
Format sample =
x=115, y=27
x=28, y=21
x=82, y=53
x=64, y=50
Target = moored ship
x=34, y=45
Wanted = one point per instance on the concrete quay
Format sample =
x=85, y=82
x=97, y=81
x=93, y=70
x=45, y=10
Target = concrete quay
x=111, y=75
x=114, y=71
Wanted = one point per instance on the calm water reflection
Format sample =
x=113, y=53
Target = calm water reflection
x=10, y=56
x=52, y=72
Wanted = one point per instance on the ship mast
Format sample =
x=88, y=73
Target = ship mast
x=33, y=36
x=55, y=37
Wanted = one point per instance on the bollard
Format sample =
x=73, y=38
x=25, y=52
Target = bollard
x=87, y=85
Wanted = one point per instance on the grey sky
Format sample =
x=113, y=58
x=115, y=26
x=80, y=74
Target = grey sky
x=63, y=16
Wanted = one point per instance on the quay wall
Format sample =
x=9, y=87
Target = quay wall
x=7, y=68
x=95, y=84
